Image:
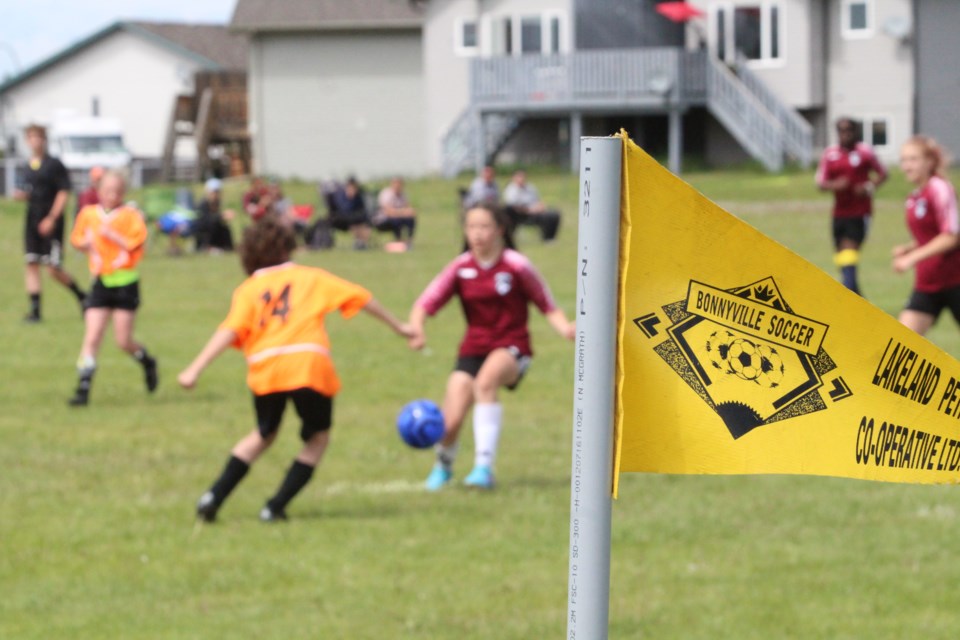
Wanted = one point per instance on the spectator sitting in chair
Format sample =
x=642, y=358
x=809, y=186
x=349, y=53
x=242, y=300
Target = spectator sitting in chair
x=211, y=229
x=257, y=200
x=395, y=213
x=349, y=213
x=483, y=189
x=524, y=206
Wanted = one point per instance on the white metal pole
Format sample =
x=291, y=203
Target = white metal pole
x=588, y=596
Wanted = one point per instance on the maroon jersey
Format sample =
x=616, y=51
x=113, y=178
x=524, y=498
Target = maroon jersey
x=494, y=300
x=932, y=210
x=855, y=165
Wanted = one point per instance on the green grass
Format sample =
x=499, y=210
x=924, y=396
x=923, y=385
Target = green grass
x=99, y=541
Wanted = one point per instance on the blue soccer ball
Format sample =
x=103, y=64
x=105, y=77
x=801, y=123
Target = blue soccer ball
x=420, y=424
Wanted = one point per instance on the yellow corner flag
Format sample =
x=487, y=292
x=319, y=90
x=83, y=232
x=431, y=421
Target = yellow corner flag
x=736, y=356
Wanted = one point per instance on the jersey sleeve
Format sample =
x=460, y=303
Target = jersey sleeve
x=877, y=165
x=242, y=315
x=945, y=205
x=535, y=286
x=79, y=232
x=61, y=177
x=347, y=297
x=440, y=290
x=134, y=229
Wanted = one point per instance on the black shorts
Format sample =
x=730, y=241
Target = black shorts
x=850, y=229
x=934, y=303
x=314, y=408
x=40, y=249
x=471, y=365
x=126, y=297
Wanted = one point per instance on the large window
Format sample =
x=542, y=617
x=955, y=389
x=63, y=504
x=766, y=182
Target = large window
x=529, y=34
x=857, y=18
x=751, y=29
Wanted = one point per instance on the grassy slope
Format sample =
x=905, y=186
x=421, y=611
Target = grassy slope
x=99, y=541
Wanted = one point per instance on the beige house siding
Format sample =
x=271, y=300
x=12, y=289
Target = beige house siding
x=872, y=77
x=326, y=105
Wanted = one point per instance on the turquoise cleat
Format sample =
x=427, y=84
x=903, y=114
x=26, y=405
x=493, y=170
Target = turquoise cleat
x=439, y=477
x=480, y=478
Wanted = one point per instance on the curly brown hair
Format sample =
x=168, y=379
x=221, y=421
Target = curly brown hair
x=267, y=243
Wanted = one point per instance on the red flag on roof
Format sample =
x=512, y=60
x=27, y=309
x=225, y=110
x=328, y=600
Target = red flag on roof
x=678, y=11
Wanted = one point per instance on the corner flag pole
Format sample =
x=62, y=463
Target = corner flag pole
x=598, y=253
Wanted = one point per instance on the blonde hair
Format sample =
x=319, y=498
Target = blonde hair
x=932, y=151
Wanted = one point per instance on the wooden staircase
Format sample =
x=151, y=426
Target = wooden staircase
x=215, y=117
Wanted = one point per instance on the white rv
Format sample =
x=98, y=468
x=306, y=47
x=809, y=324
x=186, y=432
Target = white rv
x=84, y=142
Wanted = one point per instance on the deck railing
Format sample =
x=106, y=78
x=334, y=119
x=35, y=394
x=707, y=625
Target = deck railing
x=653, y=79
x=588, y=79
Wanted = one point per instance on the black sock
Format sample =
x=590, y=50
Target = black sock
x=35, y=305
x=297, y=478
x=232, y=474
x=85, y=381
x=142, y=356
x=77, y=291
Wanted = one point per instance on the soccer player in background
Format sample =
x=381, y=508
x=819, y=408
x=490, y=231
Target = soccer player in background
x=276, y=318
x=112, y=235
x=495, y=285
x=934, y=223
x=46, y=190
x=852, y=172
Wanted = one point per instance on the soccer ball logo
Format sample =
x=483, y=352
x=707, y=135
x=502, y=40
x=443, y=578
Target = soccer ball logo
x=745, y=359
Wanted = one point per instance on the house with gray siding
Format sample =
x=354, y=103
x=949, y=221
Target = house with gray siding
x=522, y=80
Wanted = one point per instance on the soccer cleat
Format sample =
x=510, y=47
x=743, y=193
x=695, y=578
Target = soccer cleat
x=150, y=374
x=32, y=318
x=480, y=478
x=269, y=515
x=81, y=398
x=439, y=477
x=207, y=507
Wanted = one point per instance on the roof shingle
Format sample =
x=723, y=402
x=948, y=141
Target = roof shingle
x=299, y=15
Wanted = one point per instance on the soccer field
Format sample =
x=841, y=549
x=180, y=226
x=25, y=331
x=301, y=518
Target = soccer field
x=99, y=539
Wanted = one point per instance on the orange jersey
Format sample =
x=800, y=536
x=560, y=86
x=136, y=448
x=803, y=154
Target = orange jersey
x=277, y=314
x=117, y=238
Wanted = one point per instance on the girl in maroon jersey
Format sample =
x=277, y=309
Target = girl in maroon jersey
x=495, y=284
x=933, y=221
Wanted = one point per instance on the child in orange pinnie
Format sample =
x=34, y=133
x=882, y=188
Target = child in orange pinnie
x=112, y=235
x=276, y=318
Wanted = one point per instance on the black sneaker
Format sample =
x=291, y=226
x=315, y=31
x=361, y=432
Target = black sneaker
x=81, y=398
x=269, y=515
x=150, y=374
x=32, y=318
x=207, y=507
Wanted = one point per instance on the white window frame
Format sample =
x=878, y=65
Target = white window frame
x=850, y=33
x=491, y=21
x=459, y=48
x=867, y=130
x=766, y=44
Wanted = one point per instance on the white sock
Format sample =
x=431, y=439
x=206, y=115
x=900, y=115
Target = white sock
x=447, y=454
x=486, y=432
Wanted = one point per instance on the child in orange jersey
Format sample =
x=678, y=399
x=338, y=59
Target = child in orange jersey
x=112, y=235
x=276, y=318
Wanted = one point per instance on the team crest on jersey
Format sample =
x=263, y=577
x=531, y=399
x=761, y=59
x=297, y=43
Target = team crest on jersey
x=503, y=282
x=920, y=208
x=746, y=353
x=854, y=159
